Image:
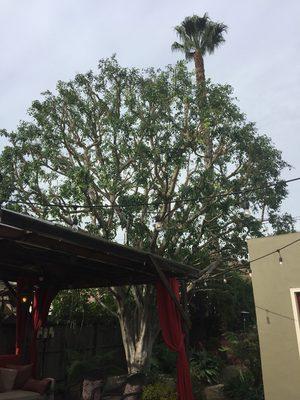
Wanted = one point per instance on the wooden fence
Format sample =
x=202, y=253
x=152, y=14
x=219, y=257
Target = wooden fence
x=83, y=342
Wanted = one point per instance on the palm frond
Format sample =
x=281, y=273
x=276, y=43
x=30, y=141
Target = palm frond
x=199, y=33
x=177, y=47
x=213, y=37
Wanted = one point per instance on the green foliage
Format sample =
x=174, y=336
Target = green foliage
x=243, y=387
x=205, y=367
x=81, y=306
x=217, y=308
x=132, y=140
x=79, y=365
x=159, y=391
x=245, y=348
x=199, y=33
x=163, y=360
x=134, y=144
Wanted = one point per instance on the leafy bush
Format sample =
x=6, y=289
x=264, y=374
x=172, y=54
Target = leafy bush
x=78, y=306
x=205, y=367
x=163, y=360
x=243, y=387
x=159, y=391
x=248, y=384
x=81, y=366
x=245, y=348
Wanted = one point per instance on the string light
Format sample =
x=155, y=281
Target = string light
x=24, y=299
x=275, y=251
x=246, y=203
x=224, y=280
x=246, y=207
x=280, y=259
x=158, y=224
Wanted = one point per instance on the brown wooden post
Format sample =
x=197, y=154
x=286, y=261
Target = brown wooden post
x=165, y=282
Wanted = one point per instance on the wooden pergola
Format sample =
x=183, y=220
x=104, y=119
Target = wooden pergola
x=44, y=258
x=42, y=251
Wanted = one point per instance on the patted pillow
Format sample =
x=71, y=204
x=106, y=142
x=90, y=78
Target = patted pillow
x=24, y=372
x=39, y=386
x=8, y=377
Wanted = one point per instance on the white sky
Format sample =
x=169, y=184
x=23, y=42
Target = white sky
x=43, y=41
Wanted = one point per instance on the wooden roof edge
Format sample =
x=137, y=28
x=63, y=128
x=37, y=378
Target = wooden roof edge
x=28, y=223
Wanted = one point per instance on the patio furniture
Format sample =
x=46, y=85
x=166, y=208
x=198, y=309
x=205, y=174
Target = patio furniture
x=20, y=394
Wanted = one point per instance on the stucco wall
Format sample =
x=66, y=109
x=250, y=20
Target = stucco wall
x=277, y=332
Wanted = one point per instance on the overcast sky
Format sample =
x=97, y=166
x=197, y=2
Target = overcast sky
x=43, y=41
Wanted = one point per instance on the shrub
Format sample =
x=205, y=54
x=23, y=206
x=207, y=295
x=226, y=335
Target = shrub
x=79, y=365
x=159, y=391
x=248, y=384
x=245, y=348
x=163, y=360
x=205, y=367
x=243, y=387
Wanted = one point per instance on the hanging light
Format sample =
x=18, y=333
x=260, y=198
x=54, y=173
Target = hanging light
x=250, y=274
x=246, y=207
x=24, y=299
x=280, y=259
x=224, y=280
x=205, y=283
x=158, y=223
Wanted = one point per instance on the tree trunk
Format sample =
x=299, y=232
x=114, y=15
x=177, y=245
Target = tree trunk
x=139, y=325
x=199, y=67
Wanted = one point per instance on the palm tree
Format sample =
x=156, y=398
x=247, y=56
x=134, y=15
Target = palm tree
x=199, y=36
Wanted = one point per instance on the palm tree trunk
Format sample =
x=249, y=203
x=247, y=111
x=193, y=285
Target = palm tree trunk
x=199, y=67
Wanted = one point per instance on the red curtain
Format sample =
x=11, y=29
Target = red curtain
x=170, y=322
x=42, y=300
x=22, y=315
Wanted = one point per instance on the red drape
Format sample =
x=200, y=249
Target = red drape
x=22, y=315
x=42, y=299
x=170, y=322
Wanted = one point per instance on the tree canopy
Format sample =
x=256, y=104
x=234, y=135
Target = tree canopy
x=114, y=151
x=122, y=153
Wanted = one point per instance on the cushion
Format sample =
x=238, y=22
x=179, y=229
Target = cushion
x=8, y=377
x=24, y=373
x=39, y=386
x=9, y=359
x=20, y=395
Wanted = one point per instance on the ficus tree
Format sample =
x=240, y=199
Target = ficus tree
x=119, y=153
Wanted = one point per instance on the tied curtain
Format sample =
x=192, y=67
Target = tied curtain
x=41, y=301
x=22, y=316
x=170, y=323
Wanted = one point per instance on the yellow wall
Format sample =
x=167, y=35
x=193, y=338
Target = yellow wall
x=277, y=333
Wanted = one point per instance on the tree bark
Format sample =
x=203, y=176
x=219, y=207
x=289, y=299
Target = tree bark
x=139, y=326
x=199, y=67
